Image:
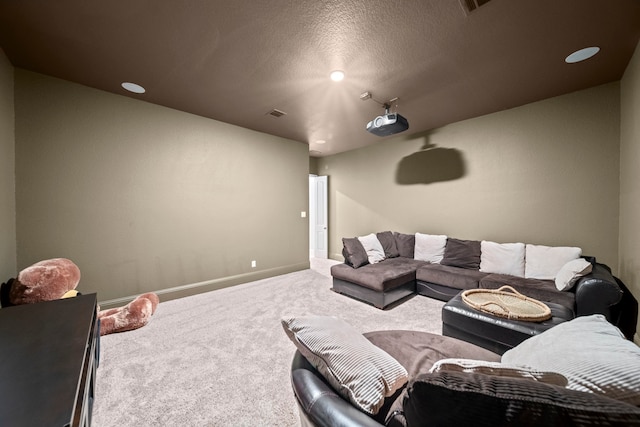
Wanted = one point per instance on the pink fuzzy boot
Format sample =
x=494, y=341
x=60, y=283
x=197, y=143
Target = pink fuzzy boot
x=134, y=315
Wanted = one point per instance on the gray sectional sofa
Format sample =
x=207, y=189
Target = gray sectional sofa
x=441, y=267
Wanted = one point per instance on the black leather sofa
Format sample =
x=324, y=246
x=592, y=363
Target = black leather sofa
x=453, y=398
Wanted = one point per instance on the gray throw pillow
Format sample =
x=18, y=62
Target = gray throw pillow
x=358, y=370
x=462, y=253
x=388, y=244
x=590, y=352
x=353, y=252
x=406, y=244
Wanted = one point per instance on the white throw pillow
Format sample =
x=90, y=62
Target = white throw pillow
x=498, y=369
x=571, y=272
x=590, y=352
x=373, y=247
x=502, y=258
x=429, y=247
x=356, y=368
x=544, y=262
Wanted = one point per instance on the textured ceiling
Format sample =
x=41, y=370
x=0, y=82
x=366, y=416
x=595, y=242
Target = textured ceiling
x=235, y=61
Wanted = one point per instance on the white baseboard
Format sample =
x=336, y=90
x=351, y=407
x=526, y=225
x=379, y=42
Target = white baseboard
x=208, y=285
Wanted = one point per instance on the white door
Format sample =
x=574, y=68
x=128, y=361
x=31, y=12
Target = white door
x=318, y=219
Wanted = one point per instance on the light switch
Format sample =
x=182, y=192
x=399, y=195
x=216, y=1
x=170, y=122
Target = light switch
x=303, y=214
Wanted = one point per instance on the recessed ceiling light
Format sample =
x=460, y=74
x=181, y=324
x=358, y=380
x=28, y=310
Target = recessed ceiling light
x=581, y=55
x=321, y=141
x=337, y=75
x=132, y=87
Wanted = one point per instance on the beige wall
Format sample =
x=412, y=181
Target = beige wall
x=629, y=259
x=146, y=198
x=313, y=165
x=8, y=267
x=544, y=173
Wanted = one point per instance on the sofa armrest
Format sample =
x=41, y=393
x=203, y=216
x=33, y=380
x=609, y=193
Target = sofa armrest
x=319, y=404
x=597, y=292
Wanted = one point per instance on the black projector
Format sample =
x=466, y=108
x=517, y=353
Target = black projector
x=388, y=124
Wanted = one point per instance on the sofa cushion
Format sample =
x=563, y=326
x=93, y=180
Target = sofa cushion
x=453, y=277
x=358, y=370
x=542, y=290
x=388, y=243
x=462, y=253
x=455, y=398
x=544, y=262
x=571, y=272
x=353, y=252
x=405, y=244
x=430, y=247
x=588, y=350
x=373, y=248
x=502, y=258
x=381, y=277
x=417, y=351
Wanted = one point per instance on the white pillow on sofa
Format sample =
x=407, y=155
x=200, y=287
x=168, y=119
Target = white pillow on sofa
x=571, y=272
x=590, y=352
x=502, y=258
x=544, y=262
x=430, y=247
x=373, y=247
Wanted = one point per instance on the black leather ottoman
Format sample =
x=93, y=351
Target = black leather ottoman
x=494, y=333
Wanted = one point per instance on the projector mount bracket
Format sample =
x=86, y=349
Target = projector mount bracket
x=386, y=105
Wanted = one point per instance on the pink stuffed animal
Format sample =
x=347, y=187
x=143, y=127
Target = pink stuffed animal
x=134, y=315
x=46, y=280
x=58, y=278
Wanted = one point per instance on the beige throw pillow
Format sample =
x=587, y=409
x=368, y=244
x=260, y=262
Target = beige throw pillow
x=544, y=262
x=571, y=272
x=358, y=370
x=430, y=247
x=498, y=369
x=502, y=258
x=373, y=247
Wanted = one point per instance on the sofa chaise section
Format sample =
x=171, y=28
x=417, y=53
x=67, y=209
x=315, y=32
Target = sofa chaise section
x=380, y=284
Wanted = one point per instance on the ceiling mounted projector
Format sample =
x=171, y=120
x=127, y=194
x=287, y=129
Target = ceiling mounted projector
x=387, y=124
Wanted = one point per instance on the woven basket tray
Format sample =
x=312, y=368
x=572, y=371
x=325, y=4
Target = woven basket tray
x=507, y=302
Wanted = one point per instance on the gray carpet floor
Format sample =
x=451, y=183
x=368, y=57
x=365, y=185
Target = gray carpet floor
x=222, y=358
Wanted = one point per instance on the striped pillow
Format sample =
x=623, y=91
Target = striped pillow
x=590, y=352
x=498, y=369
x=462, y=399
x=359, y=371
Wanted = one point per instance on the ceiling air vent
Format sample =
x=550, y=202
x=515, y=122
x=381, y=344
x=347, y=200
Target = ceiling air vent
x=471, y=5
x=276, y=113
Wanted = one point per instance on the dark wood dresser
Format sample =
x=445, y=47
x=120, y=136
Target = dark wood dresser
x=48, y=359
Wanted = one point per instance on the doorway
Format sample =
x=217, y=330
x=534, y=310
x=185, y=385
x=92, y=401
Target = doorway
x=318, y=219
